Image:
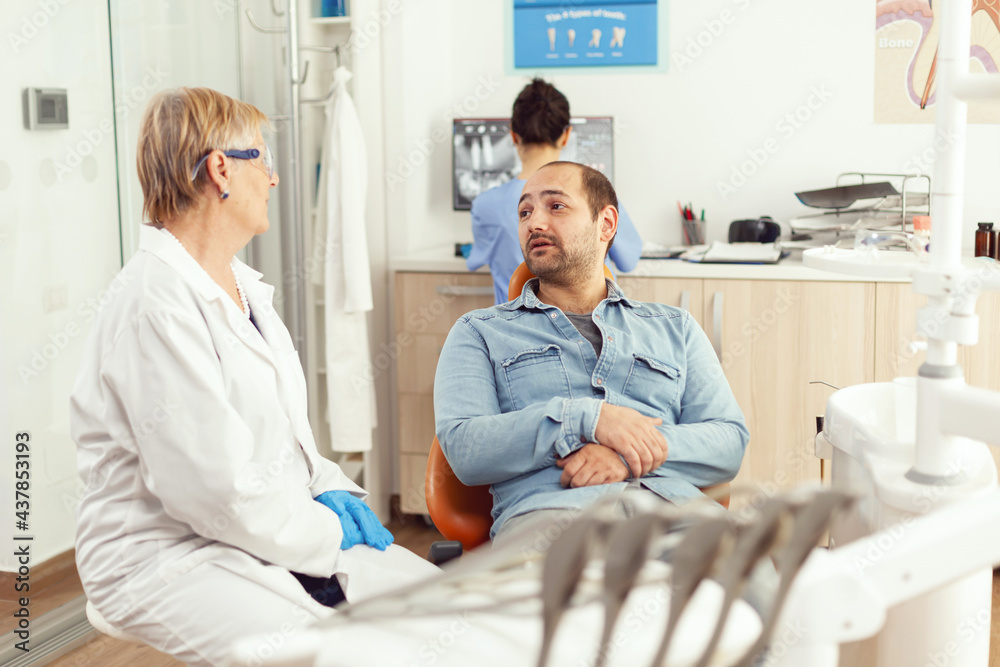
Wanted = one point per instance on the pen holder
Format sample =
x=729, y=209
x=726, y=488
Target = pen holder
x=693, y=232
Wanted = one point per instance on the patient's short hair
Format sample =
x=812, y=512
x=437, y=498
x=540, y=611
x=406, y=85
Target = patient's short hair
x=597, y=188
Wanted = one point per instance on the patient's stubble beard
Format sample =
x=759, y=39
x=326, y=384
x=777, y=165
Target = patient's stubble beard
x=571, y=264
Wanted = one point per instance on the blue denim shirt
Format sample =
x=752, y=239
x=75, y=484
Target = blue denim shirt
x=518, y=387
x=495, y=242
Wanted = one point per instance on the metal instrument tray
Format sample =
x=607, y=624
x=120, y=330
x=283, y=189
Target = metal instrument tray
x=845, y=195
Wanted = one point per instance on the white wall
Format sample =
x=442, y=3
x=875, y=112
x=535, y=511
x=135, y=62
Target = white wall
x=159, y=46
x=680, y=133
x=59, y=248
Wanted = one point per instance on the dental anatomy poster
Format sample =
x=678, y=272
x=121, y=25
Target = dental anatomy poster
x=585, y=33
x=906, y=37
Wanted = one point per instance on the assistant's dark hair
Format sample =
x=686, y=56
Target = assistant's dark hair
x=540, y=114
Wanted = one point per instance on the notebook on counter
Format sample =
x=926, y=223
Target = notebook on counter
x=741, y=253
x=666, y=253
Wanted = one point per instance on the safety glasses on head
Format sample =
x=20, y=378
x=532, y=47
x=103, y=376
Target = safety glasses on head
x=249, y=154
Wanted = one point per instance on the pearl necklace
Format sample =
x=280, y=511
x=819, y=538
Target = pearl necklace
x=239, y=289
x=239, y=285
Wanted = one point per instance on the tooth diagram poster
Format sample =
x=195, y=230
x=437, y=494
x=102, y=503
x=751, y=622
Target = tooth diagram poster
x=906, y=37
x=585, y=33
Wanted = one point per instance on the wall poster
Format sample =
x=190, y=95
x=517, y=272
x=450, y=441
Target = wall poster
x=906, y=37
x=585, y=33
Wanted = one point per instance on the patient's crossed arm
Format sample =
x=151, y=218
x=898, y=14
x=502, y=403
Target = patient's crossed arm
x=632, y=435
x=591, y=465
x=629, y=445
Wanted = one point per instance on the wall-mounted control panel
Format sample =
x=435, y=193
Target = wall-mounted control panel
x=46, y=109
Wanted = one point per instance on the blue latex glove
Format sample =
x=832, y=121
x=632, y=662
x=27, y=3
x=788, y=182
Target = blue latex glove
x=359, y=523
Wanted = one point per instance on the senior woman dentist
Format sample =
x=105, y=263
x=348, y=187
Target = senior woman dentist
x=208, y=516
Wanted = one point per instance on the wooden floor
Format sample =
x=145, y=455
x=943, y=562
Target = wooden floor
x=412, y=534
x=53, y=584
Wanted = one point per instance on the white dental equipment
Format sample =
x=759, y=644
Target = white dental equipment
x=599, y=571
x=927, y=525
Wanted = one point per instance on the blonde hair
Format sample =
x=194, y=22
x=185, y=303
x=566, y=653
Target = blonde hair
x=179, y=127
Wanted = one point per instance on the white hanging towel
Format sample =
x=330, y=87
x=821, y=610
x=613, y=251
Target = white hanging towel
x=340, y=228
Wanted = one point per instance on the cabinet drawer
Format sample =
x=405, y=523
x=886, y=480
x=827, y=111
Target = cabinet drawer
x=429, y=303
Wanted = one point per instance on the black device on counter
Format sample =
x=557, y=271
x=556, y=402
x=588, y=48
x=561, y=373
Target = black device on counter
x=759, y=230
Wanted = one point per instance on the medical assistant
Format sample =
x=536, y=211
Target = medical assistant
x=495, y=242
x=200, y=467
x=518, y=387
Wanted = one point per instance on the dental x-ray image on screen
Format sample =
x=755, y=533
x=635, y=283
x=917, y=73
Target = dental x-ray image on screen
x=484, y=156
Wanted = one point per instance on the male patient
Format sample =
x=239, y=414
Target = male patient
x=573, y=392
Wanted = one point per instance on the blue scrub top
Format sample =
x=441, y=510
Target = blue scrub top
x=495, y=243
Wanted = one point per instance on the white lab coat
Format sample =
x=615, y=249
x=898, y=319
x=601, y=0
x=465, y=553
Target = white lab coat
x=340, y=229
x=200, y=467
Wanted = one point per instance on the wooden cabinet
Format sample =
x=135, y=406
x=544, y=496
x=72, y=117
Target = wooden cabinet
x=427, y=305
x=774, y=338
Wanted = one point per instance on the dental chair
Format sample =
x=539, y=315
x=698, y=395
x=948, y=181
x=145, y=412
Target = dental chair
x=464, y=514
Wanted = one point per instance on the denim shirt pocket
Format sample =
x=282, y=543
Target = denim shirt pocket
x=652, y=381
x=535, y=376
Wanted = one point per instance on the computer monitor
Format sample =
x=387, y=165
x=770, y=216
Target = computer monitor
x=483, y=154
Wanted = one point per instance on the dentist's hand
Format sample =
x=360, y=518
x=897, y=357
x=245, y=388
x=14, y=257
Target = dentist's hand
x=591, y=465
x=634, y=436
x=359, y=523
